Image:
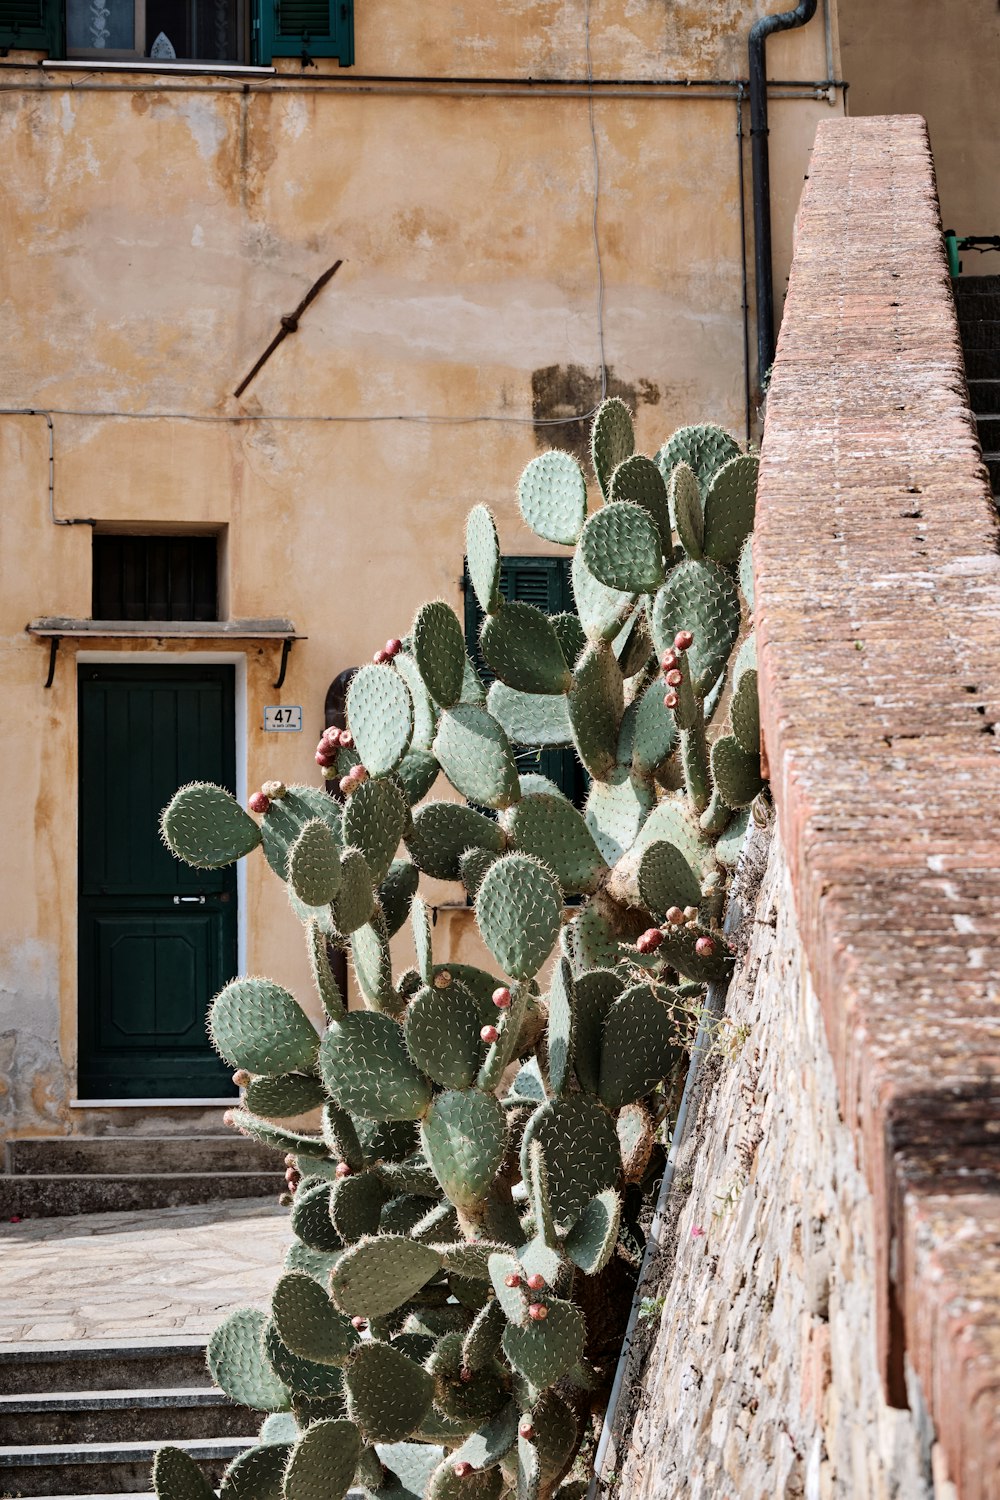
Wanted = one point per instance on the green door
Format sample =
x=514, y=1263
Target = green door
x=157, y=938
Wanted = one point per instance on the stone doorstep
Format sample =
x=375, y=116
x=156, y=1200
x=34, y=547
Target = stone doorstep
x=114, y=1400
x=72, y=1418
x=64, y=1195
x=55, y=1455
x=119, y=1154
x=89, y=1365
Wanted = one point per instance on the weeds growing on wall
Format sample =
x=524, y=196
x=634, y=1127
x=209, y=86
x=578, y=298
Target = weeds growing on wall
x=469, y=1221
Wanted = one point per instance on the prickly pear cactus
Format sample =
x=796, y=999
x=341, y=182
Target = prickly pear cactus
x=468, y=1215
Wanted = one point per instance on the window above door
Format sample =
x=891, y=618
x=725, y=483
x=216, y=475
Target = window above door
x=178, y=31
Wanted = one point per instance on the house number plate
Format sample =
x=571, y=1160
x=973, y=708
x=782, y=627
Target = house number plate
x=284, y=716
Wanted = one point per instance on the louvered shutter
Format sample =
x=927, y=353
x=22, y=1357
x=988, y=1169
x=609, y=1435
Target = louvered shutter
x=318, y=28
x=32, y=24
x=545, y=583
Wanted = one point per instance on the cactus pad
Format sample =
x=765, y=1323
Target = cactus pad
x=314, y=864
x=703, y=448
x=612, y=440
x=492, y=1442
x=686, y=510
x=578, y=1141
x=621, y=547
x=537, y=719
x=464, y=1134
x=594, y=993
x=639, y=481
x=736, y=774
x=281, y=1096
x=205, y=826
x=238, y=1366
x=602, y=610
x=258, y=1473
x=378, y=1275
x=307, y=1322
x=542, y=1352
x=482, y=549
x=519, y=911
x=596, y=706
x=520, y=644
x=442, y=1035
x=380, y=713
x=355, y=901
x=323, y=1461
x=591, y=1242
x=475, y=755
x=562, y=1006
x=257, y=1025
x=356, y=1205
x=439, y=651
x=700, y=597
x=745, y=572
x=654, y=732
x=286, y=818
x=395, y=894
x=443, y=831
x=367, y=1070
x=388, y=1395
x=744, y=712
x=546, y=825
x=729, y=508
x=616, y=811
x=375, y=818
x=552, y=495
x=666, y=879
x=640, y=1045
x=176, y=1476
x=373, y=967
x=311, y=1221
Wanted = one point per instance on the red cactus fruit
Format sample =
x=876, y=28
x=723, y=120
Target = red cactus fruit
x=343, y=1169
x=668, y=661
x=381, y=657
x=538, y=1312
x=461, y=1469
x=536, y=1281
x=258, y=803
x=674, y=678
x=465, y=1375
x=442, y=979
x=274, y=789
x=360, y=1324
x=502, y=998
x=690, y=914
x=393, y=646
x=229, y=1118
x=241, y=1078
x=675, y=917
x=526, y=1431
x=347, y=739
x=512, y=1279
x=683, y=640
x=704, y=947
x=670, y=700
x=489, y=1034
x=650, y=940
x=322, y=758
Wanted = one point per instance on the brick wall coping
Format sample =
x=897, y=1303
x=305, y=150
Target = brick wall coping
x=878, y=622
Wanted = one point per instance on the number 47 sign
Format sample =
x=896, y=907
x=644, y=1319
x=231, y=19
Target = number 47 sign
x=285, y=717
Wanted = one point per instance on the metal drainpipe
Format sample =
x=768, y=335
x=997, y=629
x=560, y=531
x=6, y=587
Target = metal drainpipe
x=787, y=21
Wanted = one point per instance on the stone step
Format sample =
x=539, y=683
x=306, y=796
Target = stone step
x=105, y=1468
x=114, y=1155
x=975, y=286
x=74, y=1417
x=982, y=364
x=975, y=307
x=55, y=1196
x=90, y=1365
x=980, y=334
x=984, y=396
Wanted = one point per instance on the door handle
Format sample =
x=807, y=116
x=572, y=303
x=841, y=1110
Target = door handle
x=186, y=900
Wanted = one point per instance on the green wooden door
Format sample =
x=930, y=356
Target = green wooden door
x=157, y=938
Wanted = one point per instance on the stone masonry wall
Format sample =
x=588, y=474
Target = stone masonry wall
x=757, y=1359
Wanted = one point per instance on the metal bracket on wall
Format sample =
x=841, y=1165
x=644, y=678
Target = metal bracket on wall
x=289, y=324
x=53, y=653
x=286, y=646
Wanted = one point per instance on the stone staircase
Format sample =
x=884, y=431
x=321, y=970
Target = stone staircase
x=106, y=1174
x=85, y=1418
x=977, y=299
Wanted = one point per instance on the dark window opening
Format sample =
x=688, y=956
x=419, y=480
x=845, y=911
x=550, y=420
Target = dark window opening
x=156, y=578
x=545, y=583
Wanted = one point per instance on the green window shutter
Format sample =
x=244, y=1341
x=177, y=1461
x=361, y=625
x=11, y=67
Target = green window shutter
x=545, y=583
x=32, y=24
x=291, y=28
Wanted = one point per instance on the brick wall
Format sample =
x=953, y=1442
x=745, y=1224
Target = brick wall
x=878, y=620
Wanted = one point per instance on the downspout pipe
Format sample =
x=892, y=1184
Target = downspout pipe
x=788, y=20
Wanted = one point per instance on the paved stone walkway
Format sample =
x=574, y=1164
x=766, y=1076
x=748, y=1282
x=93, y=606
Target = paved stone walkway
x=136, y=1275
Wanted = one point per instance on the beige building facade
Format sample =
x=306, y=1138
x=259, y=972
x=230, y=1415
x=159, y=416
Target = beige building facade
x=529, y=204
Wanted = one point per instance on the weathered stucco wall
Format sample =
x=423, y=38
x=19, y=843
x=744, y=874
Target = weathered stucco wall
x=757, y=1364
x=155, y=230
